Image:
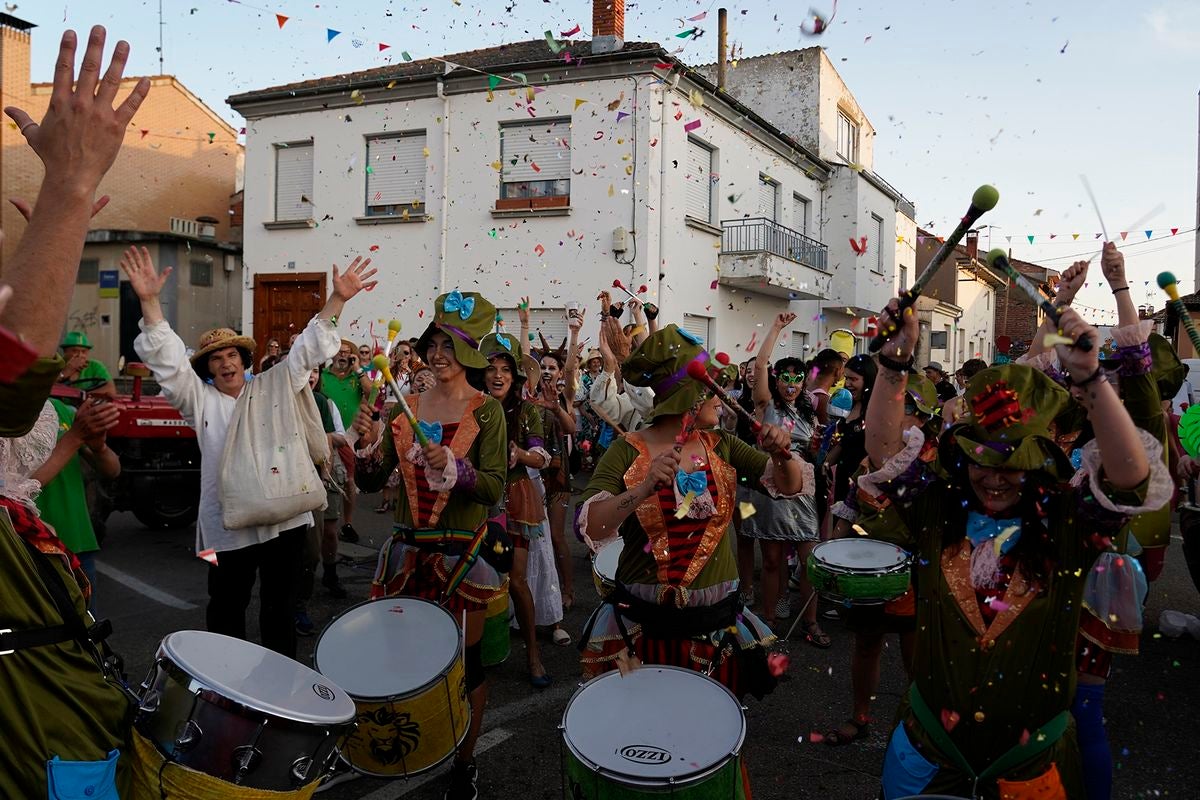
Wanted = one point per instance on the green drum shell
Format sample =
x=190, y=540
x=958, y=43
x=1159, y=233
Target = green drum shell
x=496, y=642
x=588, y=783
x=858, y=587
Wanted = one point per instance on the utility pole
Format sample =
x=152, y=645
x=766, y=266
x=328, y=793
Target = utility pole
x=161, y=71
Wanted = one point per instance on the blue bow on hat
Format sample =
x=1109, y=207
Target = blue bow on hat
x=465, y=306
x=432, y=430
x=504, y=341
x=982, y=528
x=695, y=482
x=691, y=337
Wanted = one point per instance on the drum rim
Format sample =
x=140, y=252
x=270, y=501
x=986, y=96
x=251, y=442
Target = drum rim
x=623, y=778
x=458, y=651
x=904, y=565
x=199, y=687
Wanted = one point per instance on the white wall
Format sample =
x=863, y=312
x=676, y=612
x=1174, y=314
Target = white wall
x=850, y=201
x=978, y=320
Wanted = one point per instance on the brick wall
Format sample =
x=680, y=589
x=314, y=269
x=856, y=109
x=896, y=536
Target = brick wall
x=172, y=171
x=1016, y=316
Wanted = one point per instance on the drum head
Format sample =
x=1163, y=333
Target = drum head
x=606, y=560
x=258, y=678
x=388, y=647
x=860, y=555
x=654, y=725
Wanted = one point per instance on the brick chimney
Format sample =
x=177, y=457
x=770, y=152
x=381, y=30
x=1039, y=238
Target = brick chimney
x=608, y=26
x=972, y=244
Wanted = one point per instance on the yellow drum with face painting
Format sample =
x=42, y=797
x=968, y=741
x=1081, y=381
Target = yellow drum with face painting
x=401, y=660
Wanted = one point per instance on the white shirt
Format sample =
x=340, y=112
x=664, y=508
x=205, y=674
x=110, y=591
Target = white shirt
x=208, y=411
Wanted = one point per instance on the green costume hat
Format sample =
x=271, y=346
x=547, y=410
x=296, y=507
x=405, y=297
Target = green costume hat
x=76, y=339
x=923, y=394
x=660, y=363
x=1009, y=411
x=1166, y=368
x=466, y=319
x=503, y=344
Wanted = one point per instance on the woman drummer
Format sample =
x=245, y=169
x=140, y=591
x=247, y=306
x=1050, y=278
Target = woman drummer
x=447, y=488
x=669, y=491
x=522, y=506
x=1003, y=545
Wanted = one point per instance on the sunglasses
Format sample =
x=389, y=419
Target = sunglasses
x=790, y=379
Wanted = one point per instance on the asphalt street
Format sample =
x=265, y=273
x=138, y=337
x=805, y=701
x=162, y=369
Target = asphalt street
x=151, y=584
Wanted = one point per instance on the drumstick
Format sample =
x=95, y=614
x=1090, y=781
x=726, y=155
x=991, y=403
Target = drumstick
x=651, y=309
x=984, y=200
x=393, y=329
x=1166, y=281
x=381, y=363
x=999, y=260
x=697, y=371
x=1087, y=187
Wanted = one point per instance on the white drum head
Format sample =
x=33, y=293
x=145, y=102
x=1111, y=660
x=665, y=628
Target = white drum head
x=258, y=678
x=860, y=555
x=654, y=725
x=606, y=561
x=388, y=647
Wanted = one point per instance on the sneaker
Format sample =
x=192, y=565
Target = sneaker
x=348, y=534
x=341, y=774
x=304, y=625
x=783, y=609
x=831, y=613
x=462, y=782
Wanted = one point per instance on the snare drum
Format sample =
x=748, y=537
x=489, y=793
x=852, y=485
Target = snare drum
x=859, y=571
x=241, y=713
x=495, y=643
x=604, y=567
x=401, y=660
x=657, y=730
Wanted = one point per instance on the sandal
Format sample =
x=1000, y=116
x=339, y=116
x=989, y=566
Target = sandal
x=384, y=507
x=816, y=637
x=861, y=727
x=561, y=637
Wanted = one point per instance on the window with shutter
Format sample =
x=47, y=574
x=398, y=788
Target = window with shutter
x=768, y=198
x=847, y=138
x=799, y=345
x=535, y=164
x=699, y=181
x=396, y=174
x=800, y=214
x=699, y=326
x=293, y=181
x=875, y=245
x=550, y=322
x=200, y=273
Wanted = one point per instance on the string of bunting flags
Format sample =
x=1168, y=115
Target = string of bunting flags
x=1031, y=237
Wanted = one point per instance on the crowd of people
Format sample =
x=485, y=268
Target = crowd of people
x=1031, y=503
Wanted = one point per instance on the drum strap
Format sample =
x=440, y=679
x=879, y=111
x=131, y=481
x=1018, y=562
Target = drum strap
x=667, y=622
x=1039, y=741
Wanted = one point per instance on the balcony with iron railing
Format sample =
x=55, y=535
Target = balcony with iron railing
x=760, y=255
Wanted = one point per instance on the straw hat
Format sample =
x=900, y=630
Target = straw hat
x=219, y=339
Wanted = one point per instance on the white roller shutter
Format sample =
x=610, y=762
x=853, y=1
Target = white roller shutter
x=874, y=254
x=397, y=175
x=800, y=214
x=698, y=326
x=535, y=151
x=768, y=197
x=799, y=343
x=698, y=177
x=293, y=181
x=550, y=322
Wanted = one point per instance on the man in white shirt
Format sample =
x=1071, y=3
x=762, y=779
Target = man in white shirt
x=205, y=392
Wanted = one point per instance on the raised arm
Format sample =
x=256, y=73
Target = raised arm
x=1071, y=282
x=571, y=369
x=885, y=411
x=319, y=342
x=1112, y=263
x=77, y=140
x=762, y=364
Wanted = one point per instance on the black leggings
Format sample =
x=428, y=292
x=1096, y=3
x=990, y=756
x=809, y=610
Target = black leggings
x=475, y=673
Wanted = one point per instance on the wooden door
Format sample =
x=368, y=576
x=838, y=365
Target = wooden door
x=283, y=305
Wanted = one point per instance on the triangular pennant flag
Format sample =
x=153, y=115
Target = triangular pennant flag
x=329, y=34
x=1123, y=235
x=578, y=102
x=1030, y=238
x=383, y=46
x=1074, y=236
x=1149, y=233
x=280, y=18
x=1174, y=231
x=1009, y=238
x=1053, y=235
x=493, y=82
x=1098, y=235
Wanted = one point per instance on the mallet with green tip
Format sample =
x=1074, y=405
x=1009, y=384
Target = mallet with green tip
x=380, y=362
x=998, y=259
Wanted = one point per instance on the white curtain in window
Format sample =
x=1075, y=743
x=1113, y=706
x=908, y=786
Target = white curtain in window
x=535, y=151
x=293, y=181
x=397, y=175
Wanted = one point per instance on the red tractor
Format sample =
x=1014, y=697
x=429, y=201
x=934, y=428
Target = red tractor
x=160, y=459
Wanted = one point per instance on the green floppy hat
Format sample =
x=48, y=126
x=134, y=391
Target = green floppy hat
x=76, y=339
x=466, y=319
x=661, y=362
x=503, y=344
x=1009, y=411
x=923, y=394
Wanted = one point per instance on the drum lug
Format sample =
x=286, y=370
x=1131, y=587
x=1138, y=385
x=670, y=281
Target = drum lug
x=150, y=702
x=300, y=769
x=245, y=760
x=189, y=736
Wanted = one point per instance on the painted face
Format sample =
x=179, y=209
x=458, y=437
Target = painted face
x=227, y=370
x=423, y=381
x=789, y=384
x=709, y=414
x=998, y=490
x=440, y=357
x=499, y=377
x=549, y=371
x=854, y=384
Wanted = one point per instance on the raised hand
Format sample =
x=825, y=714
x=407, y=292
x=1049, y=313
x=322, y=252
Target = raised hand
x=355, y=279
x=1112, y=262
x=144, y=279
x=902, y=341
x=523, y=312
x=1070, y=283
x=575, y=319
x=25, y=210
x=1079, y=364
x=79, y=137
x=781, y=321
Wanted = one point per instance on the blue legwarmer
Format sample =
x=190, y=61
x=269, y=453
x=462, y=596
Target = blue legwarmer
x=1088, y=710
